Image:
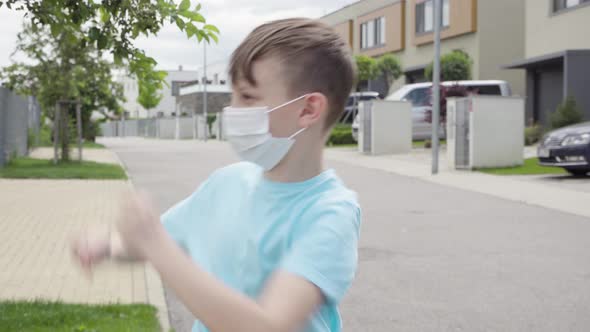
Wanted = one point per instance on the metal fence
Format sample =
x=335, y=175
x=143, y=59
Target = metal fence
x=165, y=128
x=19, y=116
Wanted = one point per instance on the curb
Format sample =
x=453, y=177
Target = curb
x=153, y=284
x=156, y=297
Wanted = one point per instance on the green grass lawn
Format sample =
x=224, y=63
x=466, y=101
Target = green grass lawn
x=531, y=167
x=343, y=146
x=29, y=168
x=42, y=316
x=85, y=145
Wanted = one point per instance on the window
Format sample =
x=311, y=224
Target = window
x=489, y=90
x=373, y=33
x=425, y=15
x=380, y=28
x=419, y=97
x=559, y=5
x=370, y=34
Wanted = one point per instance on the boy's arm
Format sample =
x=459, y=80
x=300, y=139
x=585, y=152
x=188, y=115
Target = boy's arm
x=285, y=304
x=119, y=252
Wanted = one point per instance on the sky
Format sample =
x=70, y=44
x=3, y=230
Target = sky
x=234, y=18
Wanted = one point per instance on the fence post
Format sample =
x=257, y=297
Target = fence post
x=79, y=124
x=56, y=121
x=3, y=117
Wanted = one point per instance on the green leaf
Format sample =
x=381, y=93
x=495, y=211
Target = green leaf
x=184, y=5
x=134, y=32
x=118, y=60
x=214, y=37
x=93, y=33
x=180, y=23
x=102, y=42
x=191, y=30
x=197, y=17
x=211, y=28
x=199, y=35
x=56, y=30
x=105, y=16
x=198, y=7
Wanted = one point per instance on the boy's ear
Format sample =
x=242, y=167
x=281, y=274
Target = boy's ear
x=316, y=104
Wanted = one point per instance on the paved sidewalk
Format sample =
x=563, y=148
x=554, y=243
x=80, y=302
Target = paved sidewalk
x=418, y=166
x=37, y=219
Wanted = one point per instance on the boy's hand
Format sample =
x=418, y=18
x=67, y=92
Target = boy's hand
x=139, y=226
x=90, y=247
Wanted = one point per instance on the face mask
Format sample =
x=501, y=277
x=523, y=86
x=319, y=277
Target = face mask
x=247, y=130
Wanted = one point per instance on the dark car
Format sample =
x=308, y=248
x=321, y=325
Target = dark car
x=567, y=147
x=351, y=109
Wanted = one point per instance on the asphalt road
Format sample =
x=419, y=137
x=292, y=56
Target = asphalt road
x=432, y=258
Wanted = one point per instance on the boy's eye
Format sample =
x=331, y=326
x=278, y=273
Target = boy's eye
x=247, y=96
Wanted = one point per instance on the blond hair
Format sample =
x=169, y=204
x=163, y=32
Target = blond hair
x=314, y=58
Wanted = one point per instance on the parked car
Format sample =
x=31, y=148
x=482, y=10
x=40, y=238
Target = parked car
x=568, y=147
x=351, y=109
x=419, y=95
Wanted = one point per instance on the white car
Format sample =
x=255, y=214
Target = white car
x=419, y=95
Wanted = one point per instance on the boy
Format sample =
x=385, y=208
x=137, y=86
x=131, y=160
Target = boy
x=269, y=244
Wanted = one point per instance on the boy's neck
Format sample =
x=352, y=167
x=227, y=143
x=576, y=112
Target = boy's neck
x=297, y=169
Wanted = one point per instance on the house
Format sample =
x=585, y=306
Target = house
x=557, y=56
x=166, y=106
x=490, y=31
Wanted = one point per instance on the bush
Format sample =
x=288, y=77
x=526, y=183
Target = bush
x=341, y=135
x=454, y=66
x=567, y=114
x=367, y=68
x=45, y=135
x=91, y=130
x=533, y=134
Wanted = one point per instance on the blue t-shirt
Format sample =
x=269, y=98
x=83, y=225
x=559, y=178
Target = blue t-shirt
x=241, y=227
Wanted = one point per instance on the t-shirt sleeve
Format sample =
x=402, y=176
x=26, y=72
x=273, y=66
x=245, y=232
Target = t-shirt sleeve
x=325, y=252
x=180, y=217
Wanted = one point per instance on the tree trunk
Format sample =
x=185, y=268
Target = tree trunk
x=65, y=135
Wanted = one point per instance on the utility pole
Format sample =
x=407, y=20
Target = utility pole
x=205, y=90
x=436, y=85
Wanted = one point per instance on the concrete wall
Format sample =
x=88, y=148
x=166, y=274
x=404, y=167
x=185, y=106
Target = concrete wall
x=194, y=102
x=385, y=127
x=164, y=128
x=14, y=125
x=548, y=32
x=500, y=44
x=490, y=116
x=345, y=30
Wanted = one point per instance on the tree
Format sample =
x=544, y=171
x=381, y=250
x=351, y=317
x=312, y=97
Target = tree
x=390, y=67
x=567, y=113
x=105, y=26
x=367, y=68
x=112, y=25
x=149, y=89
x=454, y=66
x=61, y=70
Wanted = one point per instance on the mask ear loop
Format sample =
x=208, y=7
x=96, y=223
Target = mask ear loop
x=297, y=133
x=287, y=103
